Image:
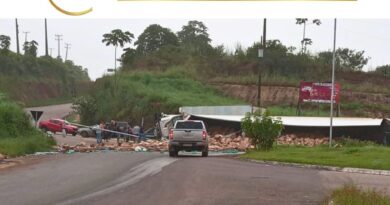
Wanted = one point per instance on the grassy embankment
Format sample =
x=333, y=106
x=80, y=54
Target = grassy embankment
x=350, y=194
x=365, y=156
x=17, y=135
x=355, y=109
x=37, y=81
x=142, y=94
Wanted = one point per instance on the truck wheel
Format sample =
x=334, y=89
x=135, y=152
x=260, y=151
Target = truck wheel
x=205, y=153
x=172, y=153
x=84, y=134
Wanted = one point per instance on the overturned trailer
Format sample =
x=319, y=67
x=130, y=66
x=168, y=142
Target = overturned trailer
x=357, y=128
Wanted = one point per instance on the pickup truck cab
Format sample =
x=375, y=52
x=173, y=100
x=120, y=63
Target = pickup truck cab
x=188, y=135
x=55, y=125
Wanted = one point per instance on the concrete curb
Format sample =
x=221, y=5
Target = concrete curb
x=321, y=167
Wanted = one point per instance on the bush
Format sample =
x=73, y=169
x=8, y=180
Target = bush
x=261, y=129
x=17, y=135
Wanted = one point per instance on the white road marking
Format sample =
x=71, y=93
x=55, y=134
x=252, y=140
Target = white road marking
x=148, y=168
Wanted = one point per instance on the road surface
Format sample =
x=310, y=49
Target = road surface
x=110, y=177
x=53, y=111
x=154, y=178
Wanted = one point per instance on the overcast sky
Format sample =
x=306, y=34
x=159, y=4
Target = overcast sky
x=85, y=36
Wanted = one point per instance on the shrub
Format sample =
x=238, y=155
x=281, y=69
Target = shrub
x=261, y=129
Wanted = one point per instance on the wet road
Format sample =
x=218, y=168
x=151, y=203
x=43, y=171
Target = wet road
x=154, y=178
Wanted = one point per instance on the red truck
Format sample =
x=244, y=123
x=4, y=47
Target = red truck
x=55, y=125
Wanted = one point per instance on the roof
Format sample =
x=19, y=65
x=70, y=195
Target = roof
x=306, y=121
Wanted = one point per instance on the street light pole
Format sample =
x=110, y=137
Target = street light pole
x=332, y=91
x=261, y=55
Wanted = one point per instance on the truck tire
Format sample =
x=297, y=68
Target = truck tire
x=84, y=134
x=205, y=153
x=173, y=152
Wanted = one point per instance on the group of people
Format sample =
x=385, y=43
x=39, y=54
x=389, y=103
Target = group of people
x=112, y=130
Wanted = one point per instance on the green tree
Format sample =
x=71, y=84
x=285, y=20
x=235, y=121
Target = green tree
x=263, y=130
x=5, y=42
x=86, y=107
x=306, y=41
x=153, y=38
x=117, y=38
x=383, y=70
x=194, y=36
x=30, y=48
x=350, y=59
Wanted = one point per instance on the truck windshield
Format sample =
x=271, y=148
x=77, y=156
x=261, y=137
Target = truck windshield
x=189, y=125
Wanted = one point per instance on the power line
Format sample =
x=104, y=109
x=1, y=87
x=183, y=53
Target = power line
x=67, y=47
x=59, y=39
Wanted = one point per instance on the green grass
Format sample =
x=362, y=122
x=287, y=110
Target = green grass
x=350, y=194
x=17, y=135
x=371, y=157
x=279, y=110
x=16, y=146
x=144, y=93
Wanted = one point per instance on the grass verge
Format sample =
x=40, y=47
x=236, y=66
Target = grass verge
x=350, y=194
x=370, y=157
x=17, y=135
x=25, y=145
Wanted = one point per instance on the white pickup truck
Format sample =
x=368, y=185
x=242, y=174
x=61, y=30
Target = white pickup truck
x=188, y=135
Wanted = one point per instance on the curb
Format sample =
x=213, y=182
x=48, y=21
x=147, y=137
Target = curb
x=322, y=167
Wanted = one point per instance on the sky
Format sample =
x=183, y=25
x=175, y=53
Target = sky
x=87, y=50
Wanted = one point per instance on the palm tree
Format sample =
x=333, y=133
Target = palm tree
x=117, y=38
x=306, y=41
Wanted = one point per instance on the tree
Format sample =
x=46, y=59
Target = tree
x=383, y=70
x=5, y=42
x=263, y=130
x=306, y=41
x=117, y=38
x=153, y=38
x=30, y=48
x=351, y=59
x=194, y=36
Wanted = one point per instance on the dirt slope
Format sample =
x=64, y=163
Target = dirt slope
x=281, y=95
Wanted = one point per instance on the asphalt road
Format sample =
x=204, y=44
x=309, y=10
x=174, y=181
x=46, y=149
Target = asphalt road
x=154, y=178
x=53, y=111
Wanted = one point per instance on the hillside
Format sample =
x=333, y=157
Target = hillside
x=34, y=80
x=142, y=94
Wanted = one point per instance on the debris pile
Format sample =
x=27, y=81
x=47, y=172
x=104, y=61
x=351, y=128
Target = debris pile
x=221, y=143
x=303, y=141
x=148, y=145
x=217, y=142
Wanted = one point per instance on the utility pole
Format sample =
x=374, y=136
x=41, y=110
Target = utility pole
x=263, y=39
x=67, y=46
x=25, y=35
x=46, y=41
x=51, y=51
x=59, y=38
x=17, y=36
x=332, y=91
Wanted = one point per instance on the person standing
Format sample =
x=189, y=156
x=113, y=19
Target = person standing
x=63, y=129
x=98, y=131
